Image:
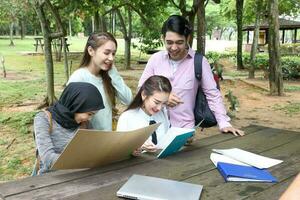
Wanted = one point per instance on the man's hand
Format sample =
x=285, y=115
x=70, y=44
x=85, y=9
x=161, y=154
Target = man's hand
x=173, y=100
x=234, y=131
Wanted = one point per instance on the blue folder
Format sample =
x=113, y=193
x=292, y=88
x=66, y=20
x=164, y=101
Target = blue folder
x=233, y=172
x=176, y=144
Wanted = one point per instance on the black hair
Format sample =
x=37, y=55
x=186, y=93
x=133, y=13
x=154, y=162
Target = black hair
x=177, y=24
x=152, y=84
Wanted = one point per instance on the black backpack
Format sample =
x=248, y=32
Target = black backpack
x=202, y=112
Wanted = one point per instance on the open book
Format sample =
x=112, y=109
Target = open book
x=174, y=139
x=94, y=148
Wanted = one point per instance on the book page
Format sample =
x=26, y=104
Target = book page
x=171, y=134
x=215, y=158
x=249, y=158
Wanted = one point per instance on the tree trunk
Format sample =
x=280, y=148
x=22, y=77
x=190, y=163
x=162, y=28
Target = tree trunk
x=64, y=43
x=97, y=21
x=128, y=40
x=103, y=23
x=254, y=46
x=70, y=27
x=275, y=77
x=23, y=29
x=48, y=54
x=3, y=67
x=201, y=28
x=239, y=21
x=93, y=24
x=11, y=32
x=126, y=35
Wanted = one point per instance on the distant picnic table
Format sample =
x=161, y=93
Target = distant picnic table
x=192, y=165
x=57, y=44
x=39, y=43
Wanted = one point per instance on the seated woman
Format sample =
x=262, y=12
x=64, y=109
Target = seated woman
x=56, y=126
x=148, y=107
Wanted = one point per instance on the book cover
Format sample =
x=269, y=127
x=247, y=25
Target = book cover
x=233, y=172
x=174, y=140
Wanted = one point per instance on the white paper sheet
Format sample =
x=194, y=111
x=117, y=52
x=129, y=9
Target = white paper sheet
x=215, y=158
x=249, y=158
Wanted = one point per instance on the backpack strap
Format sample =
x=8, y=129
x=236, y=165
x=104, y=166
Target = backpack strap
x=49, y=116
x=198, y=65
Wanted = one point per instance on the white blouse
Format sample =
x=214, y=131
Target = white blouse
x=137, y=118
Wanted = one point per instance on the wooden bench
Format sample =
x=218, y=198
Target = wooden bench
x=191, y=165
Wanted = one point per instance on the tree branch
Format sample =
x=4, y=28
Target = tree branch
x=62, y=31
x=177, y=6
x=115, y=7
x=206, y=2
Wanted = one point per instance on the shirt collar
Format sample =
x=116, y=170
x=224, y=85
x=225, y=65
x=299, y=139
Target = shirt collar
x=143, y=114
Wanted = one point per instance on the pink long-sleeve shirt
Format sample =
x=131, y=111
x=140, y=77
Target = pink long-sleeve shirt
x=185, y=85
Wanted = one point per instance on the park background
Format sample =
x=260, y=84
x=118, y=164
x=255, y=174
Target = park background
x=28, y=79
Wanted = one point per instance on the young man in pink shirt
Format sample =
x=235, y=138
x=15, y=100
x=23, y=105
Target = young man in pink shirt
x=177, y=64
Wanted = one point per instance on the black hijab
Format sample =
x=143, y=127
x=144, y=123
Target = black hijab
x=77, y=97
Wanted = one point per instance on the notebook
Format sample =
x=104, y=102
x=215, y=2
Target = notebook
x=174, y=139
x=151, y=188
x=233, y=172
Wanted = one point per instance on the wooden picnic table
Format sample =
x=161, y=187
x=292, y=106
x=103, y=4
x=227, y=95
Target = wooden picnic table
x=191, y=165
x=39, y=42
x=57, y=44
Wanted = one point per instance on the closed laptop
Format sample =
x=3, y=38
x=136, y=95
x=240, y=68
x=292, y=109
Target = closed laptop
x=151, y=188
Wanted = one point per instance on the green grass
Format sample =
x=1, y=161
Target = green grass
x=291, y=88
x=240, y=73
x=19, y=121
x=290, y=109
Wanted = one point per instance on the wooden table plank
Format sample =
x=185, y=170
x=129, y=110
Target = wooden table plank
x=191, y=165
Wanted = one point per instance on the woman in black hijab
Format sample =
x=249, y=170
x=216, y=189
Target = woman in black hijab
x=56, y=126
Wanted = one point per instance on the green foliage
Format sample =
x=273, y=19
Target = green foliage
x=215, y=20
x=261, y=61
x=291, y=67
x=290, y=49
x=214, y=56
x=233, y=100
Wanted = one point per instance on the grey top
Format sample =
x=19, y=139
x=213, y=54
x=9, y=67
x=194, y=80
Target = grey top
x=50, y=145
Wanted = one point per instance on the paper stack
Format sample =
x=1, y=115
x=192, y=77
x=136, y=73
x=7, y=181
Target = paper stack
x=239, y=165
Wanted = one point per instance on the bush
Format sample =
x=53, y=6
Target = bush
x=290, y=49
x=291, y=67
x=290, y=64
